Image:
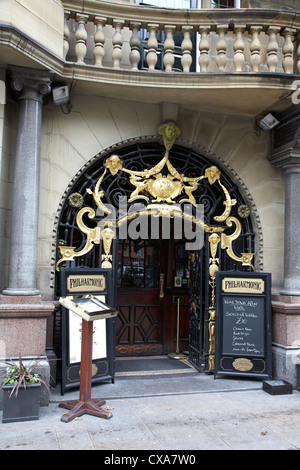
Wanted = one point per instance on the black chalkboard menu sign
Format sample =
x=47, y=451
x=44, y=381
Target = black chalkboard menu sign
x=243, y=324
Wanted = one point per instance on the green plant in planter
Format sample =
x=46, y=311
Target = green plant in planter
x=19, y=375
x=20, y=403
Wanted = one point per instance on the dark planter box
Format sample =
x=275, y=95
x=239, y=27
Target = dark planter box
x=23, y=407
x=298, y=377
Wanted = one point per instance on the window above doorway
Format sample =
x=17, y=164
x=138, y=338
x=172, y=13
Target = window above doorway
x=171, y=3
x=225, y=3
x=186, y=4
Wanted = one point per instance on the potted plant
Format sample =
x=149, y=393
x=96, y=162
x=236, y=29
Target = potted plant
x=21, y=391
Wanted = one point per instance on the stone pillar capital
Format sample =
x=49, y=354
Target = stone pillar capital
x=31, y=84
x=288, y=159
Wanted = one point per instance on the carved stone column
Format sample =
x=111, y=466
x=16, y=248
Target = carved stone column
x=286, y=306
x=288, y=158
x=30, y=87
x=292, y=229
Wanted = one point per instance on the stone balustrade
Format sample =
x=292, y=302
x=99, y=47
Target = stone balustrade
x=232, y=41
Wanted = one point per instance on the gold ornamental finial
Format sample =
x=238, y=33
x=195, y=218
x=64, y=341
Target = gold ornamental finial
x=169, y=131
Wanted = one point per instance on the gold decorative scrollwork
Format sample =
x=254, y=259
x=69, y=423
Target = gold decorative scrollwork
x=228, y=203
x=153, y=184
x=107, y=236
x=161, y=186
x=98, y=195
x=68, y=253
x=226, y=244
x=214, y=240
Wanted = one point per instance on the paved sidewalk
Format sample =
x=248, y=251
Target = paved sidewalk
x=222, y=415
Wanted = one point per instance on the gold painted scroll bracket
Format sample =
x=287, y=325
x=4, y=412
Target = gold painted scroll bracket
x=93, y=237
x=227, y=240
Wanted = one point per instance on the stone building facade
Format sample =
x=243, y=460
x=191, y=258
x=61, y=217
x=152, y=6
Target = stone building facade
x=214, y=71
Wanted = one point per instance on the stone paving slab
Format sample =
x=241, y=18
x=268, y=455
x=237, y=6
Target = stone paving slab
x=226, y=420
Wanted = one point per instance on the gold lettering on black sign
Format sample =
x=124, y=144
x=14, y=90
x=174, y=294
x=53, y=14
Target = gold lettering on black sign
x=86, y=283
x=243, y=286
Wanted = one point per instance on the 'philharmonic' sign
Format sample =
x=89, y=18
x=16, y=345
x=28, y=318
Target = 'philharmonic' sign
x=86, y=283
x=243, y=286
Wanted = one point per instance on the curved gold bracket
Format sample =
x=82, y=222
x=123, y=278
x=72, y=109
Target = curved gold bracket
x=226, y=243
x=98, y=195
x=228, y=203
x=68, y=253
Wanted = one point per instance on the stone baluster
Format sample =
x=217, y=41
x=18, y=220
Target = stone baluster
x=152, y=45
x=288, y=50
x=117, y=42
x=221, y=48
x=239, y=46
x=255, y=48
x=272, y=48
x=169, y=48
x=66, y=35
x=135, y=43
x=204, y=48
x=81, y=37
x=186, y=47
x=99, y=39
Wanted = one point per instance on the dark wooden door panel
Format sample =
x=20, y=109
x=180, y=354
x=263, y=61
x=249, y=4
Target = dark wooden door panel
x=147, y=324
x=139, y=323
x=147, y=321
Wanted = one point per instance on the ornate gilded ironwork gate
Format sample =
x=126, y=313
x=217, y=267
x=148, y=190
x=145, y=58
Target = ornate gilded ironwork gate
x=196, y=319
x=162, y=179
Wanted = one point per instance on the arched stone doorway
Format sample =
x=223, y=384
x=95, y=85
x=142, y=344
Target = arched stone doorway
x=157, y=178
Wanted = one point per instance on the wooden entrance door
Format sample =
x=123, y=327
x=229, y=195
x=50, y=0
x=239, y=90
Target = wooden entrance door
x=152, y=274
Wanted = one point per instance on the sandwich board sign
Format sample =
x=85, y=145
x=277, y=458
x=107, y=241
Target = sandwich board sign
x=243, y=344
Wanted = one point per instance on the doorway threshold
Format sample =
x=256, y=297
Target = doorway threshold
x=149, y=366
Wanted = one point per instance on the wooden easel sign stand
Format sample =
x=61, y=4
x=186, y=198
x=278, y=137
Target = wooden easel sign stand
x=88, y=308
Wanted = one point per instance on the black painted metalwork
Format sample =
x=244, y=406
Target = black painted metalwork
x=140, y=156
